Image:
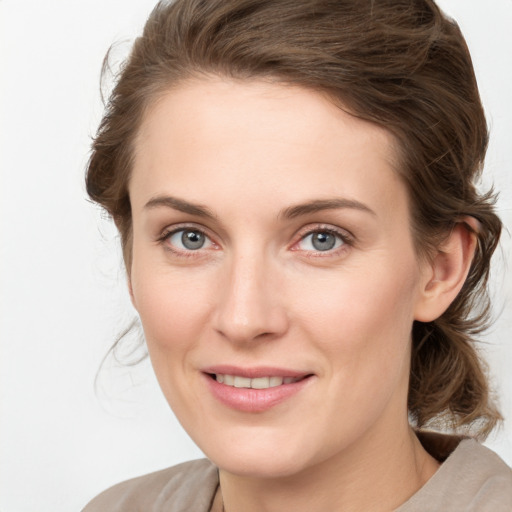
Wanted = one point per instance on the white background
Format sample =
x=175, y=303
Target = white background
x=62, y=289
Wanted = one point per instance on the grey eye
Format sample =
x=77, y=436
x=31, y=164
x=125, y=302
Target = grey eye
x=321, y=241
x=192, y=240
x=189, y=240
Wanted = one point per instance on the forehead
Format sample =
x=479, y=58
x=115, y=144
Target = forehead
x=253, y=137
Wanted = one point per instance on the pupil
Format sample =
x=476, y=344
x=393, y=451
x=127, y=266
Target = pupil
x=192, y=240
x=323, y=241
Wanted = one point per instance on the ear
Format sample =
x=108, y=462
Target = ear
x=445, y=275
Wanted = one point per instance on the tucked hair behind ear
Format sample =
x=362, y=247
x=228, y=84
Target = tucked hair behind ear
x=401, y=64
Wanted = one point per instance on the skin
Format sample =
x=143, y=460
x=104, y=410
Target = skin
x=258, y=293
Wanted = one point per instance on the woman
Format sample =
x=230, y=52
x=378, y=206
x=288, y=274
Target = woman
x=293, y=183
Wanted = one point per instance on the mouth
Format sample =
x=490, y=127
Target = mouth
x=255, y=390
x=238, y=381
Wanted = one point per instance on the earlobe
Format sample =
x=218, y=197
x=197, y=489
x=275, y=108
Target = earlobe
x=448, y=270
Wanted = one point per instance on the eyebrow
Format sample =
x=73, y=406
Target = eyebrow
x=180, y=205
x=324, y=204
x=291, y=212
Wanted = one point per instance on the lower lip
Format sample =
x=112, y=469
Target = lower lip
x=254, y=400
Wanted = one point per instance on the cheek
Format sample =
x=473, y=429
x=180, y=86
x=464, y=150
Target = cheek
x=174, y=310
x=362, y=319
x=173, y=305
x=361, y=330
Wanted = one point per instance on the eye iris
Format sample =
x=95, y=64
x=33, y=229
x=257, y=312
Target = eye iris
x=323, y=241
x=192, y=240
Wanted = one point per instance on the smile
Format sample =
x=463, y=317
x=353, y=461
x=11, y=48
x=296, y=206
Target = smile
x=238, y=381
x=255, y=390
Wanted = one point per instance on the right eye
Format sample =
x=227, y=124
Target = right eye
x=321, y=241
x=185, y=240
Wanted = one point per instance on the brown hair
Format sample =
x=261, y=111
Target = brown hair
x=401, y=64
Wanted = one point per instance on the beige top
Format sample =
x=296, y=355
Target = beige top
x=471, y=479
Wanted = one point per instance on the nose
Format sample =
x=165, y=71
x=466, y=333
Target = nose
x=250, y=302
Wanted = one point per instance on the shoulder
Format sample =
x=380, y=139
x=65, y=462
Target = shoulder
x=187, y=486
x=472, y=478
x=486, y=474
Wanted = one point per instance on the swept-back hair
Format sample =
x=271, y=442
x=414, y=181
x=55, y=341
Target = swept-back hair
x=401, y=64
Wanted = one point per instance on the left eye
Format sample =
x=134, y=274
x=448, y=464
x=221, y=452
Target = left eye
x=321, y=241
x=189, y=240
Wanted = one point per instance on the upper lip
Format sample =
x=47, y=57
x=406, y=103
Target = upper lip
x=255, y=371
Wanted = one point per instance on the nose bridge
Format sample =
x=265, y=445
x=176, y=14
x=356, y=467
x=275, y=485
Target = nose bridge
x=249, y=304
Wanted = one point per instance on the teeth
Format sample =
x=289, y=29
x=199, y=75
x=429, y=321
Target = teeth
x=242, y=382
x=260, y=383
x=275, y=381
x=256, y=383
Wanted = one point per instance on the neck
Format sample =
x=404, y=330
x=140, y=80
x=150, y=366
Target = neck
x=378, y=474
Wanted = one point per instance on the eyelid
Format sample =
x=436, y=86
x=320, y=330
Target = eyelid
x=184, y=226
x=346, y=237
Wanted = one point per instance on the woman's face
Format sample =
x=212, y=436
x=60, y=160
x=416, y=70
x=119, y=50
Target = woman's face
x=274, y=273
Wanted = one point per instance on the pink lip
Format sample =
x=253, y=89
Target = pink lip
x=254, y=400
x=254, y=372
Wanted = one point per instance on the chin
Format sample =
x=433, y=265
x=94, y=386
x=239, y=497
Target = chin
x=258, y=466
x=257, y=456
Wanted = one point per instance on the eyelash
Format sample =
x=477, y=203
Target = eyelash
x=168, y=233
x=346, y=239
